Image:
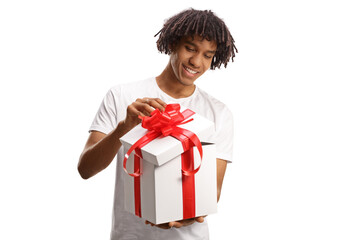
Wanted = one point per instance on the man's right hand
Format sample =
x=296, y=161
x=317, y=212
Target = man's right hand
x=142, y=107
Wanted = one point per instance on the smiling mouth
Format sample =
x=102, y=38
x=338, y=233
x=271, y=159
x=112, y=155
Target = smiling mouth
x=190, y=70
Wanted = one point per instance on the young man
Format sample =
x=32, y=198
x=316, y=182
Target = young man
x=196, y=41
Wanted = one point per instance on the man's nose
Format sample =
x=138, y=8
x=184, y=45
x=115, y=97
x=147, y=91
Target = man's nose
x=195, y=60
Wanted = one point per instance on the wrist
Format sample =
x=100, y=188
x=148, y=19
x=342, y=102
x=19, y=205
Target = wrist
x=122, y=128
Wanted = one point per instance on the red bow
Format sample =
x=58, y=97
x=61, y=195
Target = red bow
x=164, y=124
x=166, y=121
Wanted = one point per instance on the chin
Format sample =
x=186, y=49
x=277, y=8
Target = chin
x=187, y=82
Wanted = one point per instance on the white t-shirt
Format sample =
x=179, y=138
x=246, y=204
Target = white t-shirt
x=113, y=110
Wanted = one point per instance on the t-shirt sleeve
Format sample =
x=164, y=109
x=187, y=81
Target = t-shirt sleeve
x=225, y=136
x=105, y=118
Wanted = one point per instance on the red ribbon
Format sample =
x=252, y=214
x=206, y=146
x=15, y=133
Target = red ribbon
x=137, y=192
x=166, y=124
x=188, y=185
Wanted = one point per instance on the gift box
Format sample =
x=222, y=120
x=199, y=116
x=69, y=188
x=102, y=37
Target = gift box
x=171, y=173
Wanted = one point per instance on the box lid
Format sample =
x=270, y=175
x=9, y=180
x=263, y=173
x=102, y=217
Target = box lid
x=163, y=149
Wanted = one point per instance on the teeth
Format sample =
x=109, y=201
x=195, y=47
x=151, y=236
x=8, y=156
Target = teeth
x=190, y=71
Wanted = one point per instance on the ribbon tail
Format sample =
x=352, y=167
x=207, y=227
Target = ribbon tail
x=137, y=186
x=191, y=140
x=139, y=144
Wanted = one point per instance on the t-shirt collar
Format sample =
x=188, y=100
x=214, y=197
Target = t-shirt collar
x=168, y=98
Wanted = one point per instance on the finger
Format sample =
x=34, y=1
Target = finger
x=140, y=100
x=133, y=113
x=144, y=108
x=161, y=102
x=155, y=104
x=200, y=219
x=147, y=222
x=175, y=224
x=147, y=99
x=188, y=222
x=163, y=226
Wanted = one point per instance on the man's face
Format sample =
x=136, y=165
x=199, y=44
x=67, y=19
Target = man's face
x=191, y=58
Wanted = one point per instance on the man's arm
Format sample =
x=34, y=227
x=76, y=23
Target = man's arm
x=100, y=149
x=220, y=169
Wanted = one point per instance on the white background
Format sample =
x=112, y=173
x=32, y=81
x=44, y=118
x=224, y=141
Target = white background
x=293, y=89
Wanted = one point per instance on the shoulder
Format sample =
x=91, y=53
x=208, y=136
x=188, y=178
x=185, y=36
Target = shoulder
x=130, y=88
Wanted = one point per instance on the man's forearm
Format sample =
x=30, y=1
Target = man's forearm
x=99, y=151
x=221, y=169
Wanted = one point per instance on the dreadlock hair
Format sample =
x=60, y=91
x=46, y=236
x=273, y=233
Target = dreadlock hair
x=205, y=24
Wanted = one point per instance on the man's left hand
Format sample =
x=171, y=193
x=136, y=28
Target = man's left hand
x=178, y=224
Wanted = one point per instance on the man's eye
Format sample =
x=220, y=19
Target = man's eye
x=208, y=56
x=190, y=49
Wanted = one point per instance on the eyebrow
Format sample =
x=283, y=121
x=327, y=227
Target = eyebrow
x=193, y=44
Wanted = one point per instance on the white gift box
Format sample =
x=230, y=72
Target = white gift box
x=161, y=181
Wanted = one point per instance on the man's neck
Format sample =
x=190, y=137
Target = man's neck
x=168, y=83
